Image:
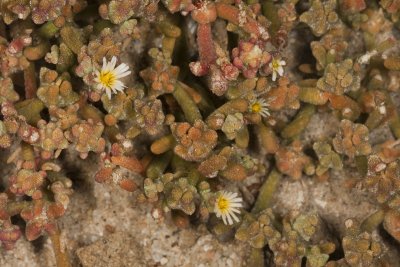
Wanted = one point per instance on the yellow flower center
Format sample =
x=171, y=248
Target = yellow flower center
x=256, y=108
x=107, y=78
x=275, y=64
x=223, y=204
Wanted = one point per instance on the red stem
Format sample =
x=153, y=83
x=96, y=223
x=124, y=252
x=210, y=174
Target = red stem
x=205, y=42
x=232, y=14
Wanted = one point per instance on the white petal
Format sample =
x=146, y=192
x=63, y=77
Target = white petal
x=236, y=205
x=237, y=199
x=228, y=194
x=107, y=68
x=119, y=89
x=230, y=221
x=104, y=63
x=237, y=202
x=118, y=85
x=274, y=76
x=264, y=113
x=121, y=70
x=233, y=195
x=224, y=219
x=217, y=212
x=282, y=62
x=235, y=217
x=113, y=62
x=280, y=70
x=123, y=74
x=233, y=210
x=108, y=92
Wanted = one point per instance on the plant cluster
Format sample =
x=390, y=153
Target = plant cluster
x=183, y=101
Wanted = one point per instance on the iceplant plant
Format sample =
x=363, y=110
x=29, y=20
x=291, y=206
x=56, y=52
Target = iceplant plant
x=226, y=205
x=108, y=78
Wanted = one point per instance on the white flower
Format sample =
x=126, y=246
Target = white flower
x=108, y=77
x=259, y=106
x=227, y=205
x=277, y=67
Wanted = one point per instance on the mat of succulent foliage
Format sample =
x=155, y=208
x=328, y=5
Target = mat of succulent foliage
x=199, y=107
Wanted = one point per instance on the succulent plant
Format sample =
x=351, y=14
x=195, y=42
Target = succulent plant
x=191, y=103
